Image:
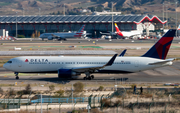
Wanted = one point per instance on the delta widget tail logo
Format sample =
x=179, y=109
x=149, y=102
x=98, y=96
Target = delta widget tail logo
x=26, y=60
x=118, y=31
x=161, y=48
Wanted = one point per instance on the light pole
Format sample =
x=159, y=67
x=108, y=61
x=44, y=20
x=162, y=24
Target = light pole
x=166, y=18
x=176, y=18
x=112, y=18
x=16, y=24
x=163, y=17
x=41, y=103
x=39, y=11
x=72, y=98
x=23, y=11
x=64, y=9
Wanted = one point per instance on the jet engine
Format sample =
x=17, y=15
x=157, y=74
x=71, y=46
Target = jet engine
x=67, y=73
x=50, y=37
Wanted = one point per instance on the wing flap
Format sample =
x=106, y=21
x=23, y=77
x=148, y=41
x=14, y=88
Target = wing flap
x=84, y=69
x=94, y=68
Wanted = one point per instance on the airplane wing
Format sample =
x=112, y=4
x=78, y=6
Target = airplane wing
x=162, y=62
x=111, y=33
x=105, y=33
x=58, y=37
x=94, y=68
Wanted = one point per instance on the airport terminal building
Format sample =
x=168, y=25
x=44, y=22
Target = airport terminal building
x=95, y=24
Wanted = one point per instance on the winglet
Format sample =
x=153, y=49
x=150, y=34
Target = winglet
x=111, y=61
x=122, y=54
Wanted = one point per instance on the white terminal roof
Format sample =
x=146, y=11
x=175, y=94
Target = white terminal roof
x=80, y=19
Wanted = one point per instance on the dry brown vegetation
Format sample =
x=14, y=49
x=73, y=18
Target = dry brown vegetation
x=157, y=98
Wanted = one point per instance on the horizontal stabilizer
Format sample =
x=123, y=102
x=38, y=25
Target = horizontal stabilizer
x=162, y=62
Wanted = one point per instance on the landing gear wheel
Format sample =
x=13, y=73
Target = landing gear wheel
x=85, y=78
x=92, y=76
x=16, y=74
x=89, y=78
x=17, y=77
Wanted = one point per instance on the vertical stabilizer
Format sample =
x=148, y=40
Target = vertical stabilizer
x=81, y=29
x=178, y=27
x=161, y=48
x=80, y=32
x=118, y=31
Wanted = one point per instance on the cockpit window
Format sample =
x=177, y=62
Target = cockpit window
x=9, y=62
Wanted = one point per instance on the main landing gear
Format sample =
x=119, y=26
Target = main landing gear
x=16, y=74
x=88, y=76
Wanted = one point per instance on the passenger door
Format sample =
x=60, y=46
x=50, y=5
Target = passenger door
x=20, y=63
x=136, y=63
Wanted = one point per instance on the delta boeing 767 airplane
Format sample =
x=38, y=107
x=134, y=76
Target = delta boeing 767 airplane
x=74, y=66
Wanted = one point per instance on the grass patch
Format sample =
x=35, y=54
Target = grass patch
x=90, y=47
x=4, y=3
x=44, y=47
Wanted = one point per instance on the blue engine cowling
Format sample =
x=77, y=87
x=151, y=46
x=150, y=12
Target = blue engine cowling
x=66, y=73
x=50, y=38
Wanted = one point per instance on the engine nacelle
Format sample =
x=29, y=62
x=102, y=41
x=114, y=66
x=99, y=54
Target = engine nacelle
x=50, y=37
x=67, y=73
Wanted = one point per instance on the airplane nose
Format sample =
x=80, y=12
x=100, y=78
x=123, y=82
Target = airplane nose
x=5, y=66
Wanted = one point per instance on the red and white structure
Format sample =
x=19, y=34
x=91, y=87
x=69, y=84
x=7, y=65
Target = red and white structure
x=4, y=35
x=7, y=38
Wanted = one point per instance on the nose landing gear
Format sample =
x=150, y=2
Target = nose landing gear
x=16, y=74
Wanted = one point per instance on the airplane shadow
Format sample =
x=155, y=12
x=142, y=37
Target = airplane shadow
x=64, y=80
x=53, y=79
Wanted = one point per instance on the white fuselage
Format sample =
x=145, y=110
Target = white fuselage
x=131, y=33
x=62, y=35
x=45, y=64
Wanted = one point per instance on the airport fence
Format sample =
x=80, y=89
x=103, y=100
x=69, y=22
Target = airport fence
x=64, y=100
x=152, y=100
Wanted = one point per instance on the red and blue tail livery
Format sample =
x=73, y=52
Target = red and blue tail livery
x=161, y=48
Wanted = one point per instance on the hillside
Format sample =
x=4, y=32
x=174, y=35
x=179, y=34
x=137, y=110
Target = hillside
x=31, y=7
x=46, y=7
